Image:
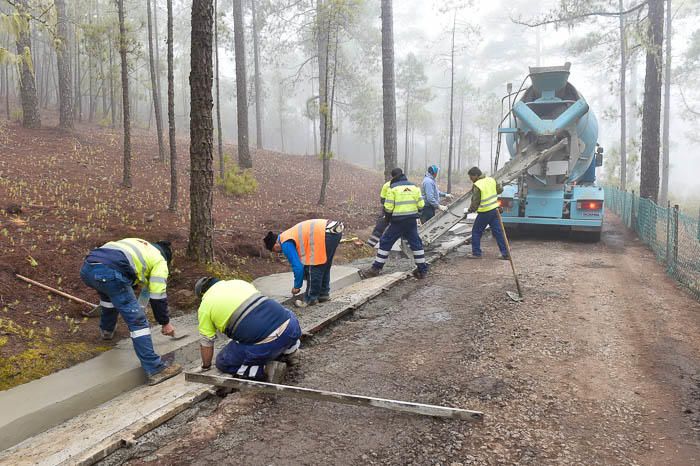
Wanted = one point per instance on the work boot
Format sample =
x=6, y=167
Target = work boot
x=275, y=372
x=324, y=298
x=300, y=303
x=291, y=359
x=169, y=372
x=106, y=335
x=370, y=272
x=505, y=258
x=472, y=256
x=420, y=275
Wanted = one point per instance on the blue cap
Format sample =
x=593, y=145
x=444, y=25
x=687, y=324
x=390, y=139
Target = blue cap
x=433, y=170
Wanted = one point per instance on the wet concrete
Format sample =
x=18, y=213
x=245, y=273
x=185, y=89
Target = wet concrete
x=278, y=286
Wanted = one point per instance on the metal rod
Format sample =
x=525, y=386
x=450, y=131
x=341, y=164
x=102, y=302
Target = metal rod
x=675, y=235
x=510, y=256
x=335, y=397
x=668, y=234
x=55, y=291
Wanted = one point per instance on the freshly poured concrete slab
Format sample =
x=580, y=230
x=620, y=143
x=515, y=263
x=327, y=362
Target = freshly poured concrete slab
x=36, y=406
x=278, y=286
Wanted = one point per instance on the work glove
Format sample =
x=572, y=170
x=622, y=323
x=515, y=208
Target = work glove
x=449, y=196
x=442, y=208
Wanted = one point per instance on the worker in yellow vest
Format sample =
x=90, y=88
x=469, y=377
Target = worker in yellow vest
x=485, y=203
x=309, y=247
x=261, y=330
x=113, y=270
x=402, y=207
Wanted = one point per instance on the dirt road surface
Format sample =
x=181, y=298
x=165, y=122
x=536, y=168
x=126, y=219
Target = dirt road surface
x=599, y=365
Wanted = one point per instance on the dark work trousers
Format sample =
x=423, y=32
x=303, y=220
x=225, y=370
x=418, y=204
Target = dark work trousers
x=319, y=276
x=406, y=229
x=379, y=229
x=428, y=213
x=484, y=219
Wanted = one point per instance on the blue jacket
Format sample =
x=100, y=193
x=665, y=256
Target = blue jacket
x=431, y=193
x=289, y=249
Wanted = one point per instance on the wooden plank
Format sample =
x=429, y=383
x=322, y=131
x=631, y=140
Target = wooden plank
x=335, y=397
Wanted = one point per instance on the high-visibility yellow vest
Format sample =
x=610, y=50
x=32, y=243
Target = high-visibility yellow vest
x=385, y=189
x=149, y=265
x=489, y=194
x=404, y=200
x=224, y=301
x=309, y=237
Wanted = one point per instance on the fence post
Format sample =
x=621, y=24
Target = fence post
x=668, y=235
x=699, y=225
x=675, y=235
x=633, y=220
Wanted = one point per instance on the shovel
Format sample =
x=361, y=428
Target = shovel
x=93, y=307
x=515, y=297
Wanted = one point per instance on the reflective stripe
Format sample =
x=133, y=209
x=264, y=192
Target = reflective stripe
x=126, y=254
x=312, y=244
x=241, y=370
x=140, y=333
x=157, y=280
x=382, y=252
x=158, y=295
x=245, y=308
x=381, y=260
x=139, y=256
x=419, y=260
x=489, y=198
x=405, y=214
x=405, y=203
x=253, y=371
x=419, y=253
x=489, y=204
x=389, y=201
x=106, y=304
x=300, y=236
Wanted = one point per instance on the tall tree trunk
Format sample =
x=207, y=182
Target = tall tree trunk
x=313, y=121
x=280, y=103
x=623, y=96
x=112, y=103
x=7, y=91
x=27, y=90
x=258, y=95
x=78, y=108
x=665, y=143
x=452, y=100
x=244, y=160
x=388, y=89
x=201, y=242
x=91, y=94
x=171, y=113
x=374, y=150
x=651, y=116
x=219, y=136
x=405, y=152
x=632, y=118
x=322, y=46
x=154, y=87
x=460, y=137
x=103, y=88
x=157, y=53
x=65, y=90
x=123, y=44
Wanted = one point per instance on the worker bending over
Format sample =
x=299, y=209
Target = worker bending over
x=432, y=194
x=309, y=247
x=402, y=208
x=261, y=330
x=485, y=202
x=112, y=270
x=382, y=224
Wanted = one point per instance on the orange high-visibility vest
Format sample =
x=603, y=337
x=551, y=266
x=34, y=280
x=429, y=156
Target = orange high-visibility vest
x=310, y=239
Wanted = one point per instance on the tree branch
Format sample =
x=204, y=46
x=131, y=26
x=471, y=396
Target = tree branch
x=569, y=19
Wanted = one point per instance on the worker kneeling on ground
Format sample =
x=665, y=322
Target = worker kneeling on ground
x=485, y=202
x=261, y=330
x=402, y=207
x=381, y=225
x=112, y=270
x=309, y=247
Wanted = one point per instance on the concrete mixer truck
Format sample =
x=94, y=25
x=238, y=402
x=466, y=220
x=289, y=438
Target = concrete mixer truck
x=559, y=191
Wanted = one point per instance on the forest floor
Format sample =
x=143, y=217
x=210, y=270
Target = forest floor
x=68, y=187
x=599, y=365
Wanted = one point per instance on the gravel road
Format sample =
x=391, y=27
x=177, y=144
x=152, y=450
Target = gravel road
x=599, y=365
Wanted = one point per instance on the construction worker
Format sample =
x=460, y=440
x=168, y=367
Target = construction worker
x=382, y=223
x=485, y=202
x=432, y=194
x=309, y=247
x=261, y=330
x=402, y=206
x=113, y=270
